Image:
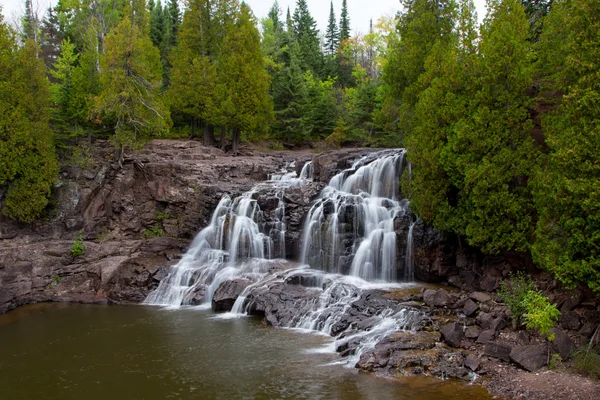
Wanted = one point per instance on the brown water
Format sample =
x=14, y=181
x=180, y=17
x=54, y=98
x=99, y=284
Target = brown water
x=69, y=351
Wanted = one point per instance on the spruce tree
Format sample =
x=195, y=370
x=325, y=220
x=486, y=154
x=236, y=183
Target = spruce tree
x=307, y=35
x=28, y=163
x=344, y=23
x=332, y=35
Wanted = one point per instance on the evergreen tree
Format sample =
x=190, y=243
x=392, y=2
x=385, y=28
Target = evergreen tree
x=28, y=164
x=307, y=36
x=242, y=102
x=157, y=24
x=175, y=21
x=567, y=182
x=274, y=15
x=332, y=35
x=51, y=37
x=344, y=23
x=30, y=23
x=131, y=77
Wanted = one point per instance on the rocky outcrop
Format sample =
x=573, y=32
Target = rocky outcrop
x=227, y=293
x=110, y=272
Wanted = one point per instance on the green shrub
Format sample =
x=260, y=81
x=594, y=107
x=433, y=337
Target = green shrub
x=555, y=361
x=161, y=216
x=587, y=361
x=78, y=248
x=540, y=314
x=514, y=293
x=154, y=232
x=276, y=145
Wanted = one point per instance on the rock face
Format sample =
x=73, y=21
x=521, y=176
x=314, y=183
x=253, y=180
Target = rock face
x=170, y=189
x=227, y=293
x=111, y=272
x=531, y=357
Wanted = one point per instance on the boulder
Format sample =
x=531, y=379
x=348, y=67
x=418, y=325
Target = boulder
x=227, y=293
x=437, y=298
x=489, y=283
x=452, y=334
x=473, y=332
x=473, y=362
x=486, y=336
x=480, y=297
x=470, y=308
x=497, y=350
x=531, y=358
x=562, y=344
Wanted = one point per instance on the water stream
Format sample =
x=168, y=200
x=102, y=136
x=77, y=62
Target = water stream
x=349, y=246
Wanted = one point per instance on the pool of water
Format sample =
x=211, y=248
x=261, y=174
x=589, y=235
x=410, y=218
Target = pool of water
x=71, y=351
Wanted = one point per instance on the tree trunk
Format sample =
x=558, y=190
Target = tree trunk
x=235, y=141
x=209, y=135
x=193, y=124
x=223, y=138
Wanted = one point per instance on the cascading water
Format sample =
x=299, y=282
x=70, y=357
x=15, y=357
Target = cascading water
x=350, y=230
x=349, y=239
x=238, y=243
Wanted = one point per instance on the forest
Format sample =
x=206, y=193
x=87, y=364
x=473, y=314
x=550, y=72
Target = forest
x=501, y=120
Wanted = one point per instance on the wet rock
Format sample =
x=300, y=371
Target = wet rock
x=472, y=362
x=562, y=344
x=452, y=334
x=497, y=350
x=470, y=308
x=480, y=297
x=531, y=358
x=227, y=293
x=437, y=298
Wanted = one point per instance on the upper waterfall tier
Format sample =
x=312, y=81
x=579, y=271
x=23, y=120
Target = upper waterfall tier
x=351, y=229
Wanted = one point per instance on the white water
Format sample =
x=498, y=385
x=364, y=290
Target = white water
x=350, y=230
x=236, y=244
x=349, y=240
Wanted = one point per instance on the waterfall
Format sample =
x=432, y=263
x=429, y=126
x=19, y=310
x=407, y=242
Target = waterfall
x=409, y=270
x=238, y=243
x=350, y=230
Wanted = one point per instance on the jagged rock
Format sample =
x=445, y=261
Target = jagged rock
x=437, y=298
x=573, y=299
x=497, y=350
x=472, y=332
x=472, y=362
x=227, y=293
x=470, y=308
x=452, y=334
x=570, y=321
x=480, y=297
x=562, y=344
x=531, y=358
x=489, y=283
x=486, y=336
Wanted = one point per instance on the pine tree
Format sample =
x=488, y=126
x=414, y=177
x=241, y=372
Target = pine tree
x=157, y=24
x=274, y=15
x=131, y=77
x=344, y=23
x=242, y=102
x=28, y=164
x=332, y=35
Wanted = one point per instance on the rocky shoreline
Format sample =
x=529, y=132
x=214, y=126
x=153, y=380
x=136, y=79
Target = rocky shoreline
x=137, y=221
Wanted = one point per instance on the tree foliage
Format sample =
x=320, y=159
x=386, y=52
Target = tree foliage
x=28, y=164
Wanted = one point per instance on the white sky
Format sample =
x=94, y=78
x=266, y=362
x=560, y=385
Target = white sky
x=361, y=11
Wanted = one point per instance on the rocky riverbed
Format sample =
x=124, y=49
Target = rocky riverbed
x=137, y=221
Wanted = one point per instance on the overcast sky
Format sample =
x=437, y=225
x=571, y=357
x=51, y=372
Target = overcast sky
x=361, y=11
